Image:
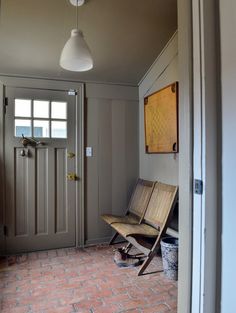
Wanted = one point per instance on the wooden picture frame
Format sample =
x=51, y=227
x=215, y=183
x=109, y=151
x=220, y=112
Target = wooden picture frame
x=161, y=120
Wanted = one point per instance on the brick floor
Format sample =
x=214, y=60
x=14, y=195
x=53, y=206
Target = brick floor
x=82, y=280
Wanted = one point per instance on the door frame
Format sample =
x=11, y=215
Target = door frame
x=48, y=84
x=200, y=156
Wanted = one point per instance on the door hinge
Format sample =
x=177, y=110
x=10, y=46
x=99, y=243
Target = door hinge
x=5, y=104
x=5, y=230
x=198, y=186
x=72, y=92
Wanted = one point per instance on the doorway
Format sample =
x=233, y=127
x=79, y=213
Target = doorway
x=42, y=154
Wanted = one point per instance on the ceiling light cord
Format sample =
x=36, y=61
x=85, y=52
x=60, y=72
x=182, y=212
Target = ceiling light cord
x=77, y=27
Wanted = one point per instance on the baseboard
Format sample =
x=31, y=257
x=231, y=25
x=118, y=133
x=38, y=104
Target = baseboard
x=172, y=232
x=95, y=241
x=2, y=240
x=104, y=240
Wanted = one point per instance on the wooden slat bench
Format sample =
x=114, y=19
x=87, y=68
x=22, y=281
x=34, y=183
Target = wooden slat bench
x=147, y=234
x=136, y=207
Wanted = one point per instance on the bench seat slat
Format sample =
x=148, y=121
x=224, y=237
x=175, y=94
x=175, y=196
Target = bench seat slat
x=129, y=219
x=130, y=230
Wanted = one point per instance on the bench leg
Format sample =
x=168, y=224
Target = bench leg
x=128, y=247
x=113, y=238
x=146, y=263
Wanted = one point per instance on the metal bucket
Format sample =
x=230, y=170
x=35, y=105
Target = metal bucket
x=169, y=251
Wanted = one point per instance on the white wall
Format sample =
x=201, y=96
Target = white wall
x=164, y=71
x=228, y=68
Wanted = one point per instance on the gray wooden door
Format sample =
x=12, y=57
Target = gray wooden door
x=40, y=190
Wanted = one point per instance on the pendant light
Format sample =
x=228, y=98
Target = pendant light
x=76, y=55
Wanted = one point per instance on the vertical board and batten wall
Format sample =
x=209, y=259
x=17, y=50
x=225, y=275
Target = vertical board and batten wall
x=164, y=71
x=112, y=132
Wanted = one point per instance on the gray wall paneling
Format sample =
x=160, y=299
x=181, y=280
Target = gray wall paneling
x=112, y=132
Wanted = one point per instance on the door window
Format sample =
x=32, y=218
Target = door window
x=40, y=118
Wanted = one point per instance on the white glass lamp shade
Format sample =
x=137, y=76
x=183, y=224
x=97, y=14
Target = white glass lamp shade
x=76, y=55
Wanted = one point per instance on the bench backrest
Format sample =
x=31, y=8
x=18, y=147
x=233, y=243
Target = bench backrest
x=140, y=197
x=161, y=204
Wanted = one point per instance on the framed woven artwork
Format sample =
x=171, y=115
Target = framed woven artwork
x=161, y=120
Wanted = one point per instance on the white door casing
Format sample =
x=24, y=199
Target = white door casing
x=198, y=250
x=206, y=156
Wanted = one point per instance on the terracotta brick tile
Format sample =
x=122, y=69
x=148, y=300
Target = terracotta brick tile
x=173, y=292
x=113, y=308
x=117, y=299
x=52, y=253
x=156, y=298
x=88, y=291
x=101, y=294
x=42, y=254
x=83, y=310
x=87, y=304
x=160, y=308
x=24, y=309
x=69, y=300
x=8, y=303
x=71, y=251
x=172, y=303
x=131, y=311
x=65, y=309
x=43, y=305
x=61, y=252
x=54, y=280
x=136, y=292
x=133, y=304
x=32, y=256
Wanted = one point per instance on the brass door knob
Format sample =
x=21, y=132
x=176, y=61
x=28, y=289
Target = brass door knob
x=70, y=155
x=71, y=176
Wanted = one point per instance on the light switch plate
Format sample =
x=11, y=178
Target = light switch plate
x=89, y=151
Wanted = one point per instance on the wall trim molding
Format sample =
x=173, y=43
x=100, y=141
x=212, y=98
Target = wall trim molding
x=68, y=80
x=157, y=60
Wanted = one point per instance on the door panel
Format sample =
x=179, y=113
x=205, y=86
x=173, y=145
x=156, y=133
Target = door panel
x=40, y=201
x=61, y=191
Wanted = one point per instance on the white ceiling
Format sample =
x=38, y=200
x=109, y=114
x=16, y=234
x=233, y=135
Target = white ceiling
x=125, y=36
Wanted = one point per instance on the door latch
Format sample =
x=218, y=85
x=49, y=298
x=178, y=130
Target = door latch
x=72, y=92
x=30, y=142
x=5, y=104
x=198, y=186
x=5, y=232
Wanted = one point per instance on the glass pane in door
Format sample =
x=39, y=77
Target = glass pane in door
x=41, y=108
x=59, y=129
x=59, y=110
x=41, y=128
x=23, y=127
x=22, y=108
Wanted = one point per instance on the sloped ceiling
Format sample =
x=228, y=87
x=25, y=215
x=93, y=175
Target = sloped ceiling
x=125, y=36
